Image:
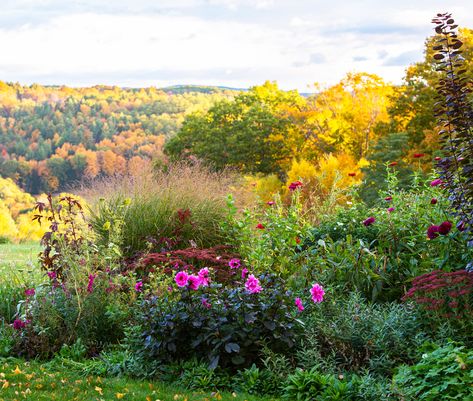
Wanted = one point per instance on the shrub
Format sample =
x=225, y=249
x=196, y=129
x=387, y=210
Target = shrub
x=226, y=325
x=380, y=257
x=182, y=205
x=348, y=334
x=442, y=373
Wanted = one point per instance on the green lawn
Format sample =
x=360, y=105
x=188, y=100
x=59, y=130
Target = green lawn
x=21, y=380
x=18, y=262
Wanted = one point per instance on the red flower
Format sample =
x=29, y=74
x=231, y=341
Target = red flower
x=445, y=227
x=392, y=164
x=369, y=221
x=437, y=158
x=351, y=174
x=388, y=198
x=433, y=201
x=298, y=240
x=418, y=155
x=260, y=226
x=294, y=185
x=433, y=232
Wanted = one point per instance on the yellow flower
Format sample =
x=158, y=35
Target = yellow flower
x=17, y=371
x=119, y=395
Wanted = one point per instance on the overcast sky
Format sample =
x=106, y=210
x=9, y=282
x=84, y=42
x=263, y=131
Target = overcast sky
x=237, y=43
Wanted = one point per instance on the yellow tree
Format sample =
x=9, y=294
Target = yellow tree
x=344, y=116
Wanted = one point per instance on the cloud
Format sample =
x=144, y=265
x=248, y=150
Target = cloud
x=226, y=42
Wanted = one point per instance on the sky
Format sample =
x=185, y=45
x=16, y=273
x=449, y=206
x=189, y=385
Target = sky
x=235, y=43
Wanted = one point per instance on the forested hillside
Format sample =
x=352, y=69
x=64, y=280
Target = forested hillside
x=52, y=136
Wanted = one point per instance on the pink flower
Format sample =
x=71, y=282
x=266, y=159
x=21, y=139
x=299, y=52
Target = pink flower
x=29, y=292
x=260, y=226
x=432, y=232
x=294, y=185
x=445, y=228
x=90, y=285
x=317, y=293
x=433, y=201
x=270, y=203
x=390, y=209
x=369, y=221
x=139, y=286
x=436, y=182
x=244, y=272
x=181, y=279
x=252, y=284
x=206, y=303
x=194, y=282
x=234, y=263
x=299, y=305
x=52, y=275
x=204, y=277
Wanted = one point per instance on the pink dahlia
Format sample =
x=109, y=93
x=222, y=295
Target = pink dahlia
x=252, y=284
x=194, y=282
x=299, y=305
x=30, y=292
x=139, y=286
x=317, y=293
x=181, y=279
x=204, y=276
x=244, y=272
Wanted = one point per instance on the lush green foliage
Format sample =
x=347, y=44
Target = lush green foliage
x=444, y=372
x=227, y=325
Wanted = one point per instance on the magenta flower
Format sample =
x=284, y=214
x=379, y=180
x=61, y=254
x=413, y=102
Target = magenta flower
x=433, y=232
x=433, y=201
x=317, y=293
x=294, y=185
x=299, y=305
x=139, y=286
x=29, y=292
x=194, y=282
x=270, y=203
x=206, y=303
x=234, y=263
x=19, y=324
x=244, y=272
x=390, y=209
x=181, y=279
x=252, y=284
x=436, y=182
x=445, y=228
x=204, y=276
x=369, y=221
x=52, y=275
x=90, y=285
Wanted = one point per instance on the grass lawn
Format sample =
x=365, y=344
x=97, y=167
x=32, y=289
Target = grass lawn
x=20, y=380
x=18, y=262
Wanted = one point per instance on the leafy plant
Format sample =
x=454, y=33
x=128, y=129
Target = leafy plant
x=442, y=373
x=227, y=325
x=454, y=113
